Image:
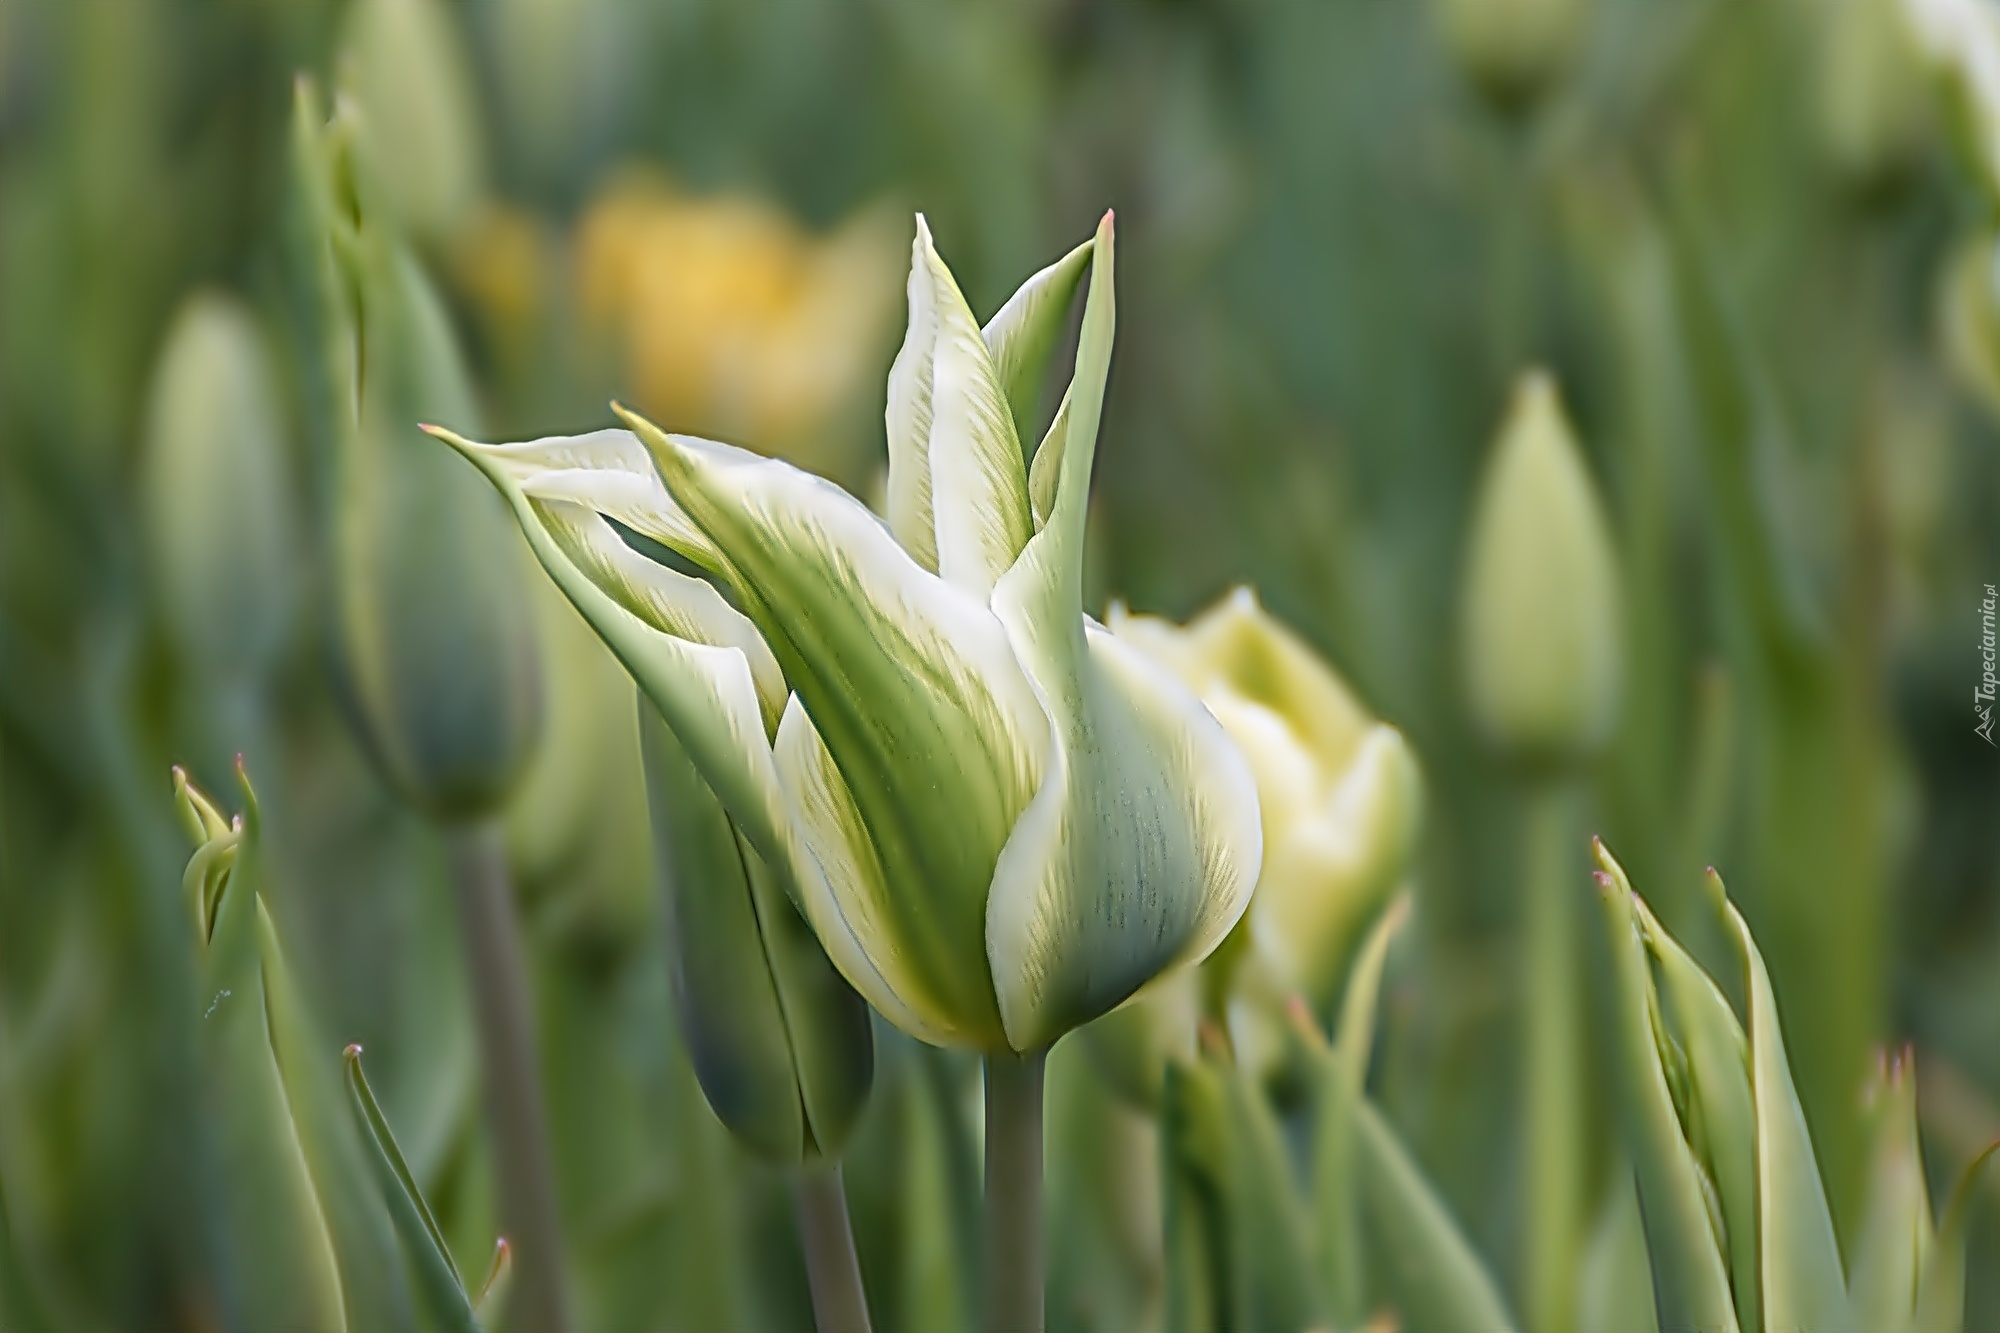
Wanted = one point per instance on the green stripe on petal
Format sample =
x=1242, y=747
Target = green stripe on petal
x=912, y=685
x=909, y=413
x=850, y=903
x=1023, y=334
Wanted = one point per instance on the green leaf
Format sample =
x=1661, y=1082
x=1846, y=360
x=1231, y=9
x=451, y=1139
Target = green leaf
x=1430, y=1272
x=1803, y=1288
x=1690, y=1278
x=1941, y=1288
x=285, y=1274
x=374, y=1288
x=1344, y=1081
x=1721, y=1121
x=440, y=1289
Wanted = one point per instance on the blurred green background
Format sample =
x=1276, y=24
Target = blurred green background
x=1742, y=235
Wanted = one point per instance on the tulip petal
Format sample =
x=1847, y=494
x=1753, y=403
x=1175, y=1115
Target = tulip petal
x=1138, y=854
x=1046, y=471
x=609, y=471
x=850, y=902
x=1023, y=334
x=955, y=461
x=1143, y=842
x=912, y=685
x=708, y=693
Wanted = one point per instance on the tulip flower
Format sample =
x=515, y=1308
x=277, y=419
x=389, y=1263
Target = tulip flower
x=1000, y=819
x=1340, y=792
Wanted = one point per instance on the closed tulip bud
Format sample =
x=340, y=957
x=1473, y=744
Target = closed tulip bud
x=405, y=63
x=1871, y=91
x=1340, y=792
x=576, y=823
x=1540, y=621
x=433, y=629
x=1000, y=819
x=283, y=1272
x=1969, y=315
x=217, y=490
x=1513, y=51
x=780, y=1044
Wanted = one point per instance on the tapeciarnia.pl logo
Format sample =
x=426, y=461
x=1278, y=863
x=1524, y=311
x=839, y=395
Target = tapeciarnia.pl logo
x=1982, y=693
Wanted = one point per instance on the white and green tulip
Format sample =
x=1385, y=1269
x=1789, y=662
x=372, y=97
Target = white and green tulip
x=1000, y=820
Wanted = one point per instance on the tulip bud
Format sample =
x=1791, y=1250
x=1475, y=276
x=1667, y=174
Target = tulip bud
x=433, y=629
x=283, y=1274
x=780, y=1044
x=1871, y=90
x=1969, y=316
x=217, y=495
x=576, y=823
x=1540, y=619
x=1340, y=793
x=1513, y=51
x=404, y=61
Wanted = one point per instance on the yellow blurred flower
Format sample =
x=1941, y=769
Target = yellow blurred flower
x=733, y=320
x=1340, y=791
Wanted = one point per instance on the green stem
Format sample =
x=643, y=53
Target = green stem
x=1552, y=1122
x=819, y=1201
x=515, y=1117
x=1015, y=1263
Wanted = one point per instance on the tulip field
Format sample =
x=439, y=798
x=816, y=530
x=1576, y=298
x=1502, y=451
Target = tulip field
x=1035, y=666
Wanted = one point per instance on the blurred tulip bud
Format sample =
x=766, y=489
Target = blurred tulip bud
x=405, y=63
x=1969, y=316
x=433, y=628
x=283, y=1272
x=1001, y=820
x=576, y=824
x=1871, y=90
x=780, y=1043
x=1513, y=51
x=1543, y=657
x=1340, y=792
x=217, y=490
x=1960, y=39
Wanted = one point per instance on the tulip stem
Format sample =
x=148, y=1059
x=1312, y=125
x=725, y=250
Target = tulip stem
x=1552, y=1121
x=1015, y=1263
x=819, y=1201
x=525, y=1175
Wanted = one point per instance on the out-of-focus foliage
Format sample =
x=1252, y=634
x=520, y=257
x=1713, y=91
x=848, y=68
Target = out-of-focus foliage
x=1751, y=240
